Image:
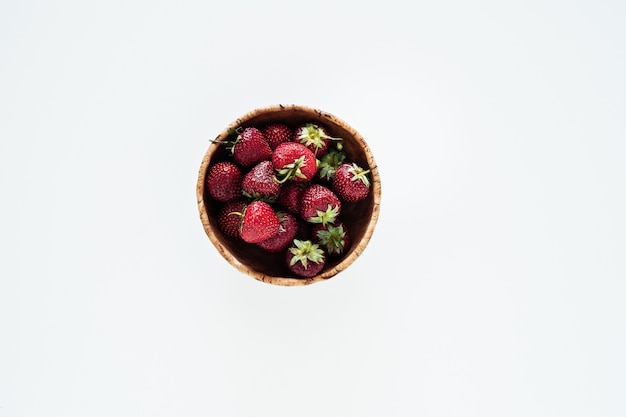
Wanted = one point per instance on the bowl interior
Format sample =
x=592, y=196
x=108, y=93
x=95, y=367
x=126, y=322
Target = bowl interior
x=359, y=217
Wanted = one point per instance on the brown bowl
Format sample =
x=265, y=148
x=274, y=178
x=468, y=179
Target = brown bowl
x=360, y=217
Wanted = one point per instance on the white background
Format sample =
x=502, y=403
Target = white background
x=494, y=285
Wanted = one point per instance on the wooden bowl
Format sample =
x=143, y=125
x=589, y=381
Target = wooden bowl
x=360, y=217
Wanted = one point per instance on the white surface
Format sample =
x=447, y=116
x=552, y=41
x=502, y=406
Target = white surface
x=497, y=289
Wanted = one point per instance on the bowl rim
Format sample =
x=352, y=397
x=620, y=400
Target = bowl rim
x=289, y=281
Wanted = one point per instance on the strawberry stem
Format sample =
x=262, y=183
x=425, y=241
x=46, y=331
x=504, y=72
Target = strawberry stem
x=359, y=174
x=315, y=135
x=291, y=170
x=325, y=217
x=306, y=251
x=332, y=238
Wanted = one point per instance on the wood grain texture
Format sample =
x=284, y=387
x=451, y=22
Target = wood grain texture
x=360, y=217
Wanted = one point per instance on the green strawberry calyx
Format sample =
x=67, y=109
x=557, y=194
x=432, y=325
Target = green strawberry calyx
x=329, y=163
x=259, y=196
x=292, y=170
x=359, y=174
x=332, y=238
x=312, y=134
x=305, y=252
x=325, y=217
x=230, y=143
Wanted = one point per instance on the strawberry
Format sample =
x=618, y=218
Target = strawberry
x=329, y=163
x=305, y=258
x=259, y=222
x=351, y=182
x=294, y=161
x=286, y=233
x=230, y=216
x=260, y=184
x=291, y=195
x=251, y=147
x=319, y=205
x=333, y=237
x=315, y=137
x=223, y=181
x=277, y=133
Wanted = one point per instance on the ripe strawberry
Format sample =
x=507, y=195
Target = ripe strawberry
x=286, y=233
x=305, y=258
x=294, y=161
x=290, y=196
x=333, y=237
x=351, y=182
x=251, y=147
x=259, y=222
x=260, y=184
x=315, y=137
x=230, y=216
x=223, y=181
x=329, y=163
x=277, y=133
x=319, y=205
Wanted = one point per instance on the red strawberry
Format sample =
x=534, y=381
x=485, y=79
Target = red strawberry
x=260, y=184
x=294, y=161
x=286, y=233
x=290, y=196
x=223, y=181
x=333, y=237
x=305, y=258
x=251, y=147
x=351, y=182
x=230, y=216
x=315, y=137
x=319, y=205
x=277, y=133
x=259, y=222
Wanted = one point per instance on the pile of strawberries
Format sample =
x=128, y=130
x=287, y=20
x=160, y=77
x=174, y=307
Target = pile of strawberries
x=282, y=189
